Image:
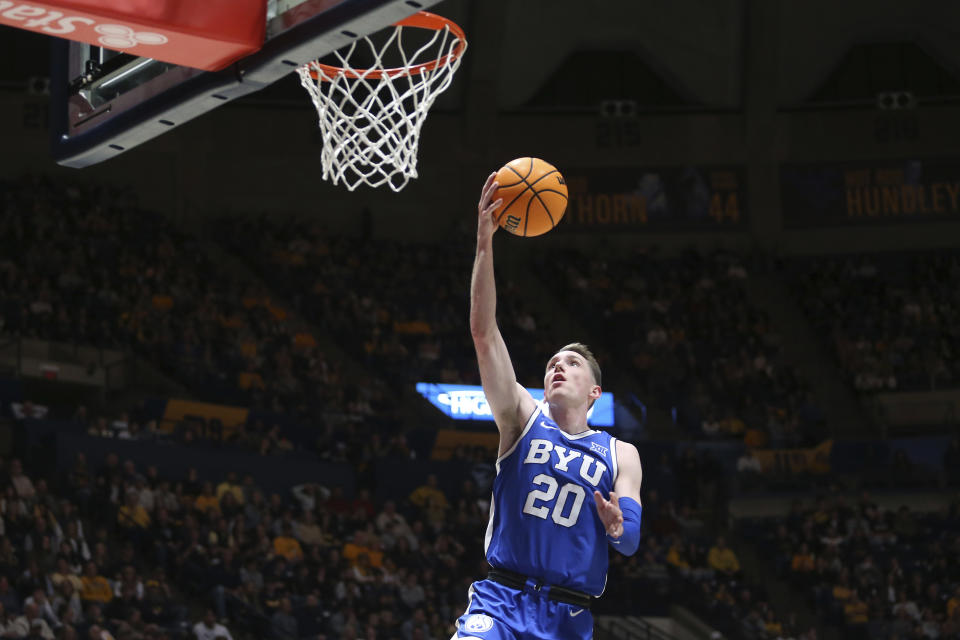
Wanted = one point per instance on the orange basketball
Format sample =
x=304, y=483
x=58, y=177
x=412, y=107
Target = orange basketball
x=534, y=197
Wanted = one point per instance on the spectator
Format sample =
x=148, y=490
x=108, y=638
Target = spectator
x=43, y=607
x=308, y=532
x=431, y=501
x=803, y=563
x=132, y=515
x=710, y=426
x=97, y=632
x=129, y=580
x=21, y=483
x=416, y=628
x=287, y=545
x=67, y=602
x=207, y=500
x=145, y=493
x=772, y=626
x=867, y=573
x=308, y=495
x=392, y=525
x=158, y=606
x=9, y=598
x=412, y=594
x=363, y=544
x=251, y=574
x=210, y=629
x=7, y=628
x=951, y=626
x=79, y=550
x=311, y=618
x=253, y=510
x=953, y=604
x=231, y=485
x=31, y=624
x=96, y=588
x=833, y=539
x=902, y=624
x=722, y=559
x=283, y=626
x=749, y=469
x=929, y=624
x=362, y=506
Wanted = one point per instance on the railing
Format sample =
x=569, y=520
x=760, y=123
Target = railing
x=632, y=628
x=915, y=409
x=10, y=344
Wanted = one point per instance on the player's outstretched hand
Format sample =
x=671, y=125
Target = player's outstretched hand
x=610, y=514
x=486, y=225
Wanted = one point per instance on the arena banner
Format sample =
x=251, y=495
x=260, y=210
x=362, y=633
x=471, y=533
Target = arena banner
x=468, y=402
x=814, y=460
x=177, y=410
x=870, y=192
x=687, y=198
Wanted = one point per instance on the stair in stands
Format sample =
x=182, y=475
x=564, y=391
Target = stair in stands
x=806, y=350
x=782, y=597
x=231, y=263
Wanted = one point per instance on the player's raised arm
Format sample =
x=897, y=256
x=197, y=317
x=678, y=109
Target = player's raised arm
x=510, y=403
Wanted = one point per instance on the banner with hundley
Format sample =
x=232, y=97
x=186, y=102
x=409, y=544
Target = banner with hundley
x=870, y=192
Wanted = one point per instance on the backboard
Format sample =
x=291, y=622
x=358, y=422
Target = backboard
x=105, y=101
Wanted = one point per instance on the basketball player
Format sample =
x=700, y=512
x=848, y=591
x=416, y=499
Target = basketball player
x=563, y=492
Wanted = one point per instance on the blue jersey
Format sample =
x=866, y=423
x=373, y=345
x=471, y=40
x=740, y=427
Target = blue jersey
x=543, y=520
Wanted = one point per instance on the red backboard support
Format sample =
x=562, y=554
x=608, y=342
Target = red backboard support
x=206, y=35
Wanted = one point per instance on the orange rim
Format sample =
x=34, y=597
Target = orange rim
x=421, y=19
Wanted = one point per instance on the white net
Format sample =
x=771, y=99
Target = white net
x=370, y=117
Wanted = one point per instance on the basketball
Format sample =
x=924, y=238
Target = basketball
x=534, y=197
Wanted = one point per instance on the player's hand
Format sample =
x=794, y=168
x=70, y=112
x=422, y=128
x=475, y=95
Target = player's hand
x=610, y=514
x=486, y=224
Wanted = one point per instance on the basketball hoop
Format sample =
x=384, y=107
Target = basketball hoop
x=370, y=118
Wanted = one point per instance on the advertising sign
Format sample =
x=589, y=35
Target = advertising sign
x=467, y=402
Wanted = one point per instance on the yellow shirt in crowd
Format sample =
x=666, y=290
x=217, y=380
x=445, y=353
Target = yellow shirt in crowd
x=96, y=589
x=203, y=503
x=288, y=547
x=723, y=560
x=135, y=516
